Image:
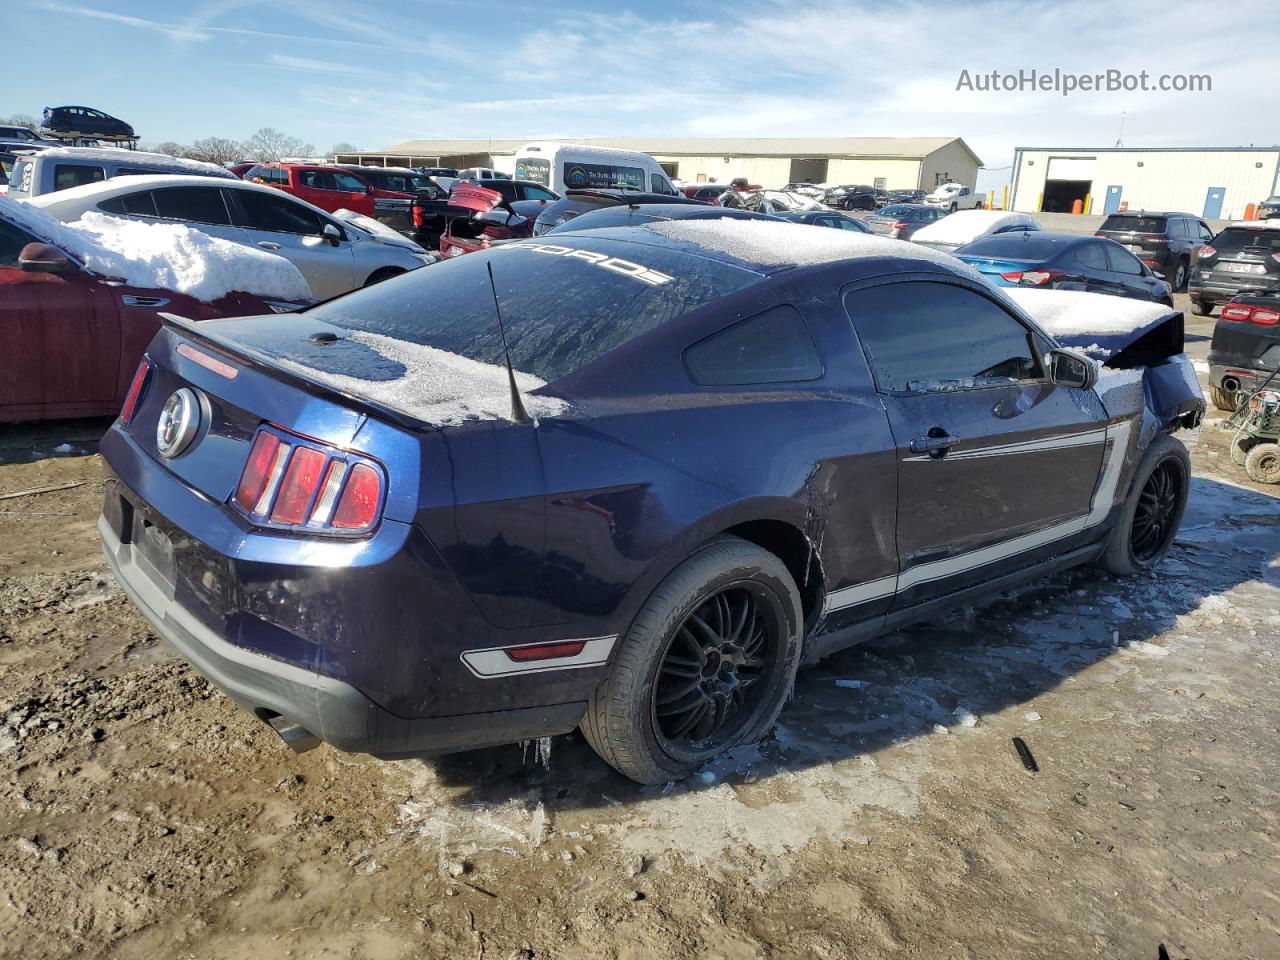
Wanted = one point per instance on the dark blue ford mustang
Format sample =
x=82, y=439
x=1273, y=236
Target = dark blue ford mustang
x=721, y=449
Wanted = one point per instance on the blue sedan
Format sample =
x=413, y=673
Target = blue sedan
x=1064, y=261
x=628, y=479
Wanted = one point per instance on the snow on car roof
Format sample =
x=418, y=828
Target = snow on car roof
x=783, y=244
x=1064, y=313
x=138, y=158
x=162, y=256
x=1256, y=224
x=968, y=225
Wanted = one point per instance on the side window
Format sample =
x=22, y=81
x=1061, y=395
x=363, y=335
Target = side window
x=198, y=204
x=771, y=347
x=67, y=175
x=12, y=240
x=344, y=181
x=265, y=211
x=141, y=204
x=537, y=193
x=1092, y=255
x=316, y=180
x=924, y=337
x=1204, y=232
x=1122, y=261
x=658, y=184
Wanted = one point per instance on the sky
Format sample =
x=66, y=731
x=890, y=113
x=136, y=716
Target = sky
x=376, y=74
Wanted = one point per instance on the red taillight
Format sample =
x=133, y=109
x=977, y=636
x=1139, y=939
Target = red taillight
x=901, y=225
x=1264, y=317
x=135, y=390
x=1032, y=278
x=1276, y=257
x=301, y=480
x=1236, y=312
x=358, y=506
x=418, y=217
x=257, y=471
x=1207, y=251
x=547, y=651
x=291, y=482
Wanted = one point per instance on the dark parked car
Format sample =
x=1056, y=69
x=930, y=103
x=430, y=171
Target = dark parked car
x=86, y=120
x=577, y=202
x=395, y=190
x=25, y=135
x=857, y=197
x=1269, y=209
x=902, y=220
x=1243, y=258
x=1165, y=242
x=824, y=218
x=627, y=215
x=1245, y=349
x=905, y=196
x=1064, y=261
x=366, y=527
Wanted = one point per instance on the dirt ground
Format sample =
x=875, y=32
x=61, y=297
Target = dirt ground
x=143, y=816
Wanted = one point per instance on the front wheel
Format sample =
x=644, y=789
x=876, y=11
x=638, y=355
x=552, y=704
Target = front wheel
x=1180, y=277
x=953, y=209
x=1263, y=463
x=707, y=664
x=1152, y=512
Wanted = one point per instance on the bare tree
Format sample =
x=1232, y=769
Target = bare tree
x=343, y=147
x=21, y=120
x=270, y=144
x=215, y=150
x=171, y=148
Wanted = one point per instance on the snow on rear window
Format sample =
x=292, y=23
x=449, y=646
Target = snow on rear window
x=162, y=256
x=1064, y=313
x=137, y=159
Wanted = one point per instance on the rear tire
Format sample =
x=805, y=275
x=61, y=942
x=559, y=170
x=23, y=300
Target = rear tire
x=1263, y=463
x=1204, y=308
x=1224, y=399
x=1152, y=513
x=1180, y=277
x=677, y=697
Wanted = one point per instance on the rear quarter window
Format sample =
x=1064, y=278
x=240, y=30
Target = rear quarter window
x=1135, y=224
x=771, y=347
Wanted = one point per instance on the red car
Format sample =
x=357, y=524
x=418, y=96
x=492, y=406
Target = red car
x=73, y=339
x=479, y=216
x=327, y=187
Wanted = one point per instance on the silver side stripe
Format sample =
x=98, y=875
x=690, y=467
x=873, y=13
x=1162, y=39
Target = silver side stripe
x=1104, y=496
x=494, y=662
x=1088, y=438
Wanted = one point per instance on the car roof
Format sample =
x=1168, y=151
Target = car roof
x=1067, y=239
x=366, y=167
x=1152, y=213
x=90, y=193
x=770, y=245
x=134, y=158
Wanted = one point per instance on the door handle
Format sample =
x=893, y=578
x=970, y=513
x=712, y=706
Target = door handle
x=935, y=443
x=268, y=245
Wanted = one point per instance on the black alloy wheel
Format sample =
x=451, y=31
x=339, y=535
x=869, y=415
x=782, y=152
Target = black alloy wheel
x=1153, y=521
x=709, y=683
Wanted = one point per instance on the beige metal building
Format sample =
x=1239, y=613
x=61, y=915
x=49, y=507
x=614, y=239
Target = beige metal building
x=1211, y=182
x=894, y=163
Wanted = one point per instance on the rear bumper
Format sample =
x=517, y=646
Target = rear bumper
x=334, y=711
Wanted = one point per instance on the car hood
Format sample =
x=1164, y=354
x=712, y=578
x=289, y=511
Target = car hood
x=378, y=232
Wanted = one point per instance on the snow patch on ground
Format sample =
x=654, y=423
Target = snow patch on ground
x=436, y=386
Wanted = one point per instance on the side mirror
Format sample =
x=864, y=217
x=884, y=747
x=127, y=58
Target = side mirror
x=1068, y=369
x=331, y=233
x=42, y=258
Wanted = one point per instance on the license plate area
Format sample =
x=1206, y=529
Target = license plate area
x=153, y=551
x=1241, y=268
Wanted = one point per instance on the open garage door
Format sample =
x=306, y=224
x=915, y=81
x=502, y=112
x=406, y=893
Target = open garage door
x=1069, y=179
x=808, y=171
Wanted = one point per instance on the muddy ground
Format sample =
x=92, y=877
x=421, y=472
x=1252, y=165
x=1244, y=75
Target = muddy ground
x=143, y=816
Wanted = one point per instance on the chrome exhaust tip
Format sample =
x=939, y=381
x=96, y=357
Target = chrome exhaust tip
x=1230, y=384
x=295, y=736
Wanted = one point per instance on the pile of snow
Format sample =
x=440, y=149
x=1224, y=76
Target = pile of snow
x=162, y=256
x=770, y=244
x=1065, y=313
x=436, y=386
x=138, y=159
x=967, y=226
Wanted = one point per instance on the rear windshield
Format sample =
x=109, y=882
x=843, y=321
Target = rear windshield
x=896, y=211
x=564, y=304
x=401, y=182
x=1261, y=242
x=1135, y=224
x=1012, y=246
